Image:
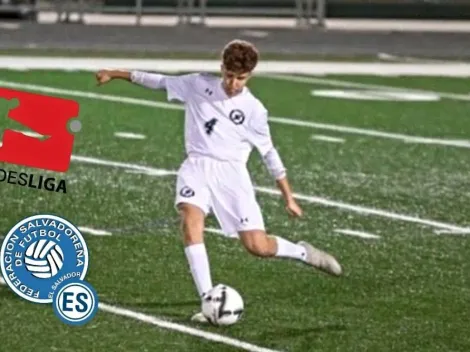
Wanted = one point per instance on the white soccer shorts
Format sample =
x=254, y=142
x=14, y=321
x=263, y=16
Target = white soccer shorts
x=223, y=189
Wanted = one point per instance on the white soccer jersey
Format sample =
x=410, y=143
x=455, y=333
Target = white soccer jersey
x=219, y=127
x=216, y=125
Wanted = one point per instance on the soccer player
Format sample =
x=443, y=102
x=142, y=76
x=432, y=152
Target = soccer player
x=224, y=121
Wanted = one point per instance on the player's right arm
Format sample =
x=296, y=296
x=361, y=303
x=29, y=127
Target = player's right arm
x=104, y=76
x=177, y=86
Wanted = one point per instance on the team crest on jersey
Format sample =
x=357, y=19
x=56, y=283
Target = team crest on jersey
x=186, y=192
x=40, y=253
x=237, y=116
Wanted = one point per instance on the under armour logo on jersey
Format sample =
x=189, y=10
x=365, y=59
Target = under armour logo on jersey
x=237, y=116
x=186, y=192
x=244, y=220
x=208, y=91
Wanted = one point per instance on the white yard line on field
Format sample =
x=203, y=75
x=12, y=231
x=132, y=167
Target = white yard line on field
x=282, y=120
x=366, y=210
x=30, y=133
x=93, y=231
x=323, y=138
x=221, y=232
x=452, y=232
x=449, y=69
x=165, y=324
x=463, y=143
x=356, y=233
x=399, y=58
x=213, y=230
x=98, y=96
x=129, y=135
x=145, y=169
x=98, y=232
x=350, y=84
x=311, y=199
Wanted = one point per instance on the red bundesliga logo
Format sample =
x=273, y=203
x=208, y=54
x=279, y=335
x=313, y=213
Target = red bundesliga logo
x=47, y=116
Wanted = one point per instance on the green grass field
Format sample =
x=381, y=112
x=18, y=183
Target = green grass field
x=407, y=290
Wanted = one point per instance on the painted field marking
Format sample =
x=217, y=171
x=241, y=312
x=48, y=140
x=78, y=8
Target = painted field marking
x=395, y=58
x=462, y=143
x=323, y=138
x=98, y=96
x=166, y=324
x=356, y=233
x=311, y=199
x=375, y=95
x=366, y=210
x=213, y=230
x=282, y=120
x=129, y=135
x=220, y=232
x=31, y=134
x=452, y=232
x=450, y=69
x=350, y=84
x=145, y=169
x=98, y=232
x=94, y=232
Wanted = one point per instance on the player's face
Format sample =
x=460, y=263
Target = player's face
x=234, y=81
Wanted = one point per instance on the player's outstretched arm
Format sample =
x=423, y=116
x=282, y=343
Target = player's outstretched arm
x=105, y=76
x=178, y=87
x=145, y=79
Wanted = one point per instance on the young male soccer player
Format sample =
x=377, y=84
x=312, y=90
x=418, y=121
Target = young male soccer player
x=223, y=122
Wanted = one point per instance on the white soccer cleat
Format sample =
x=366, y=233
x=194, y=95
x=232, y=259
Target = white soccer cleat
x=321, y=260
x=199, y=318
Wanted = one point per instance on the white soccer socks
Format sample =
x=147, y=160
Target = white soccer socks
x=198, y=260
x=287, y=249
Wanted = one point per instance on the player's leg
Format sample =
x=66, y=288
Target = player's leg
x=192, y=229
x=237, y=210
x=192, y=202
x=259, y=243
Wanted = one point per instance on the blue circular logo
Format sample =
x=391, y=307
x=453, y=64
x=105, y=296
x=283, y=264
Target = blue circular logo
x=39, y=254
x=75, y=302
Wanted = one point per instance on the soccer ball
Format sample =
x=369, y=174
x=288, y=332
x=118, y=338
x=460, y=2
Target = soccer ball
x=222, y=305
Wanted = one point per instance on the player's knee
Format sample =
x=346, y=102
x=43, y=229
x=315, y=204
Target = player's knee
x=257, y=243
x=192, y=223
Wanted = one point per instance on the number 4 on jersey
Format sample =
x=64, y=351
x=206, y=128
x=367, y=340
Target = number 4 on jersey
x=209, y=125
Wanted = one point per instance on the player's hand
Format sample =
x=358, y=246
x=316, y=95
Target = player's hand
x=103, y=76
x=293, y=208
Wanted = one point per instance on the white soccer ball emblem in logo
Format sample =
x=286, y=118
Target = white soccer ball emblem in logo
x=222, y=305
x=44, y=259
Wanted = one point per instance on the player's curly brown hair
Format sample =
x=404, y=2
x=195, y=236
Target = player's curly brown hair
x=240, y=56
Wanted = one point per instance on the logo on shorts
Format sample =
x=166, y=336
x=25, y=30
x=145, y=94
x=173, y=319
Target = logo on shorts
x=75, y=302
x=39, y=254
x=186, y=192
x=237, y=116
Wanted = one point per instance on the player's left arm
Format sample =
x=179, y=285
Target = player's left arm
x=261, y=138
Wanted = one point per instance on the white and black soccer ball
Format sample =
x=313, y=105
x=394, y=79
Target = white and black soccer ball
x=44, y=259
x=222, y=305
